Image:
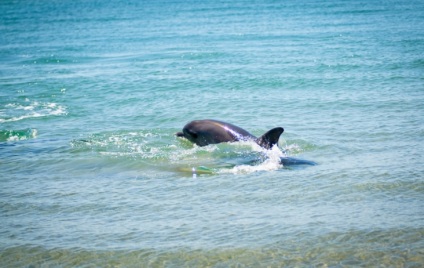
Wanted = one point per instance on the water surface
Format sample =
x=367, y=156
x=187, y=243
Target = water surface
x=92, y=93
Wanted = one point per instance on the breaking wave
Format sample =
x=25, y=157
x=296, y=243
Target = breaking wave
x=30, y=109
x=18, y=135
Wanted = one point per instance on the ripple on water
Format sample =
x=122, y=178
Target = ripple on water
x=352, y=248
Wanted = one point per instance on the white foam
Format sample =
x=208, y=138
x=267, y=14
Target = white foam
x=31, y=134
x=271, y=162
x=143, y=145
x=17, y=112
x=192, y=153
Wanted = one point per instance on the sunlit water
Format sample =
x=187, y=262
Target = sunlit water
x=93, y=92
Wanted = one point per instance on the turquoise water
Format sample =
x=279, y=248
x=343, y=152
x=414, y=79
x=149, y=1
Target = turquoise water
x=92, y=93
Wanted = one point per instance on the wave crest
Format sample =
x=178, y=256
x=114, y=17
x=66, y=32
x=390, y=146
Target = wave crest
x=30, y=109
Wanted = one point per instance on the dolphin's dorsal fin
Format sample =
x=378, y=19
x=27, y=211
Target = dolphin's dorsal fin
x=270, y=138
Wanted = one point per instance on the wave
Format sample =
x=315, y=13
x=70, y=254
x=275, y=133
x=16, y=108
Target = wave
x=18, y=135
x=30, y=109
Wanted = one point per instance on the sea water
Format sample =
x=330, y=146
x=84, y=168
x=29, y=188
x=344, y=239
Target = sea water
x=93, y=92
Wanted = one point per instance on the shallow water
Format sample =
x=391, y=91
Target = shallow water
x=92, y=93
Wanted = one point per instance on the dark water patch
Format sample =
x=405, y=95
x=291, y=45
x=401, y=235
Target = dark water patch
x=50, y=60
x=418, y=64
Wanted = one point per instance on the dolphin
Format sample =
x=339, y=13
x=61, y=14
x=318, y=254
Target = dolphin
x=208, y=131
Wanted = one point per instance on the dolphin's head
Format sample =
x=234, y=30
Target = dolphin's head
x=195, y=133
x=195, y=136
x=188, y=133
x=208, y=131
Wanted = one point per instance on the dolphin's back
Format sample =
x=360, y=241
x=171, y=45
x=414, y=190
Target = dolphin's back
x=209, y=131
x=236, y=132
x=204, y=132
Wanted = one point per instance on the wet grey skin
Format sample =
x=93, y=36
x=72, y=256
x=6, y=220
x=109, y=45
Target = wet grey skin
x=208, y=131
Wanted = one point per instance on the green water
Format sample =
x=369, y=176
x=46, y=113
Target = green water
x=92, y=94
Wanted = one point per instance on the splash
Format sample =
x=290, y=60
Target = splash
x=270, y=160
x=159, y=149
x=18, y=135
